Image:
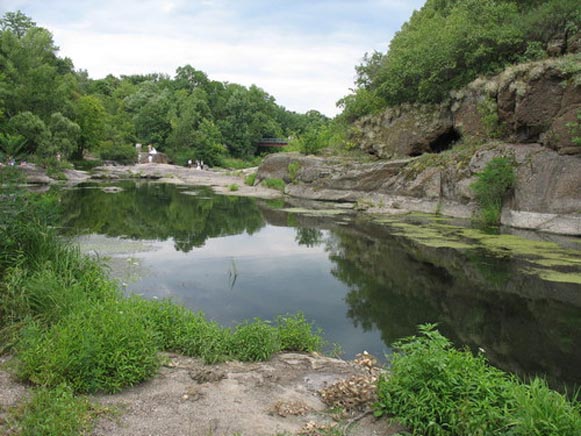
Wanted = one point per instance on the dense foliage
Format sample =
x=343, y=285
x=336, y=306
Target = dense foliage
x=436, y=390
x=49, y=108
x=448, y=43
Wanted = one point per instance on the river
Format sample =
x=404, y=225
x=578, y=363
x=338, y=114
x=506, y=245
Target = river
x=515, y=296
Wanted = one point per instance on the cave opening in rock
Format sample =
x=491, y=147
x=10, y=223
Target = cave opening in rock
x=445, y=141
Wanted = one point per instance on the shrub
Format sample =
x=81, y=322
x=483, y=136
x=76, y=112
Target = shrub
x=233, y=187
x=250, y=179
x=436, y=390
x=178, y=329
x=277, y=184
x=100, y=347
x=491, y=186
x=297, y=334
x=254, y=341
x=124, y=154
x=55, y=412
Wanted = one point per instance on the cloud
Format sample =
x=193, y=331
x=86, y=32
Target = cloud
x=301, y=52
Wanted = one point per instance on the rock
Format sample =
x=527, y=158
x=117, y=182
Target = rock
x=547, y=186
x=406, y=131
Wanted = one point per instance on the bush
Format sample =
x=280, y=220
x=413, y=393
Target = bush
x=100, y=347
x=436, y=390
x=493, y=183
x=55, y=412
x=233, y=187
x=124, y=154
x=254, y=341
x=277, y=184
x=250, y=179
x=296, y=334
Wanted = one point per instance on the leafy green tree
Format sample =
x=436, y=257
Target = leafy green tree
x=90, y=115
x=32, y=128
x=17, y=23
x=11, y=146
x=65, y=135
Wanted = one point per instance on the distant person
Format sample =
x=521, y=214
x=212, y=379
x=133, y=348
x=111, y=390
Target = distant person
x=189, y=163
x=150, y=158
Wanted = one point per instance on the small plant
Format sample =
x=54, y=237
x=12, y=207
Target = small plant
x=277, y=184
x=233, y=187
x=493, y=183
x=297, y=334
x=575, y=129
x=254, y=341
x=250, y=179
x=488, y=110
x=293, y=169
x=54, y=412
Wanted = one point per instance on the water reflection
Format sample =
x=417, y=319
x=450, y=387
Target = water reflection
x=237, y=258
x=159, y=212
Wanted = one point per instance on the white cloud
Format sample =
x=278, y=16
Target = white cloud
x=304, y=61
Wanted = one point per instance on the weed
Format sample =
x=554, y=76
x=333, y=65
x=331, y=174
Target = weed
x=492, y=184
x=293, y=169
x=54, y=412
x=111, y=351
x=254, y=341
x=277, y=184
x=297, y=334
x=233, y=187
x=436, y=390
x=250, y=179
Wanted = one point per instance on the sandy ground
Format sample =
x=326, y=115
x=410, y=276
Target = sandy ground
x=292, y=394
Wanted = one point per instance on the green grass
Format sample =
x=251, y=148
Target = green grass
x=233, y=187
x=436, y=390
x=54, y=412
x=250, y=179
x=277, y=184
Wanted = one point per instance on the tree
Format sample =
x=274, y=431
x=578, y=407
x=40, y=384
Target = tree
x=17, y=23
x=65, y=135
x=32, y=128
x=90, y=116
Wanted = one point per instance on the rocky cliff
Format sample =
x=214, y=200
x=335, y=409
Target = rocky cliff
x=536, y=102
x=429, y=154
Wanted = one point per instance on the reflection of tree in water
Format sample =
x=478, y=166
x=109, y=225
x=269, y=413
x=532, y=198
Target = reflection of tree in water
x=396, y=284
x=309, y=237
x=159, y=212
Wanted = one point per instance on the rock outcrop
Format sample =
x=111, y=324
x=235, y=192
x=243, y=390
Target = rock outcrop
x=536, y=102
x=546, y=196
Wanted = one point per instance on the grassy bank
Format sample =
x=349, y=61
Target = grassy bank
x=71, y=330
x=436, y=390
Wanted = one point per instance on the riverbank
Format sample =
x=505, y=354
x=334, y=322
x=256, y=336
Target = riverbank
x=291, y=394
x=221, y=181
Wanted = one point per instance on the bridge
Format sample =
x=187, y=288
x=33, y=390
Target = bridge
x=272, y=142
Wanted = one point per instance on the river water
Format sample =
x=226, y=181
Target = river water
x=516, y=296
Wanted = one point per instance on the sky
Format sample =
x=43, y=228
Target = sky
x=301, y=52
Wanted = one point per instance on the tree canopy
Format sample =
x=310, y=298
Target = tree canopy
x=448, y=43
x=51, y=108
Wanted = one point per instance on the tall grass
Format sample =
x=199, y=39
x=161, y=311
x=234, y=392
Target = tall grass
x=436, y=390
